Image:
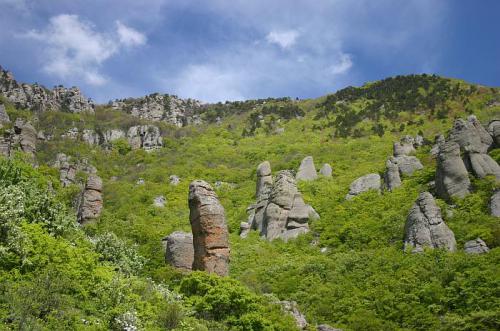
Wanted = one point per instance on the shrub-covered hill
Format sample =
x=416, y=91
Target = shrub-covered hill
x=350, y=271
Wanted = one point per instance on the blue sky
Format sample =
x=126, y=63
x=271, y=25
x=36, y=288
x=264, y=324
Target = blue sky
x=216, y=50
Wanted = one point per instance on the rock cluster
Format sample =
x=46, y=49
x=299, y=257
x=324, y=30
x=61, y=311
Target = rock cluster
x=364, y=184
x=402, y=163
x=144, y=136
x=280, y=210
x=290, y=307
x=38, y=98
x=210, y=233
x=162, y=107
x=90, y=204
x=476, y=246
x=495, y=204
x=425, y=226
x=179, y=251
x=22, y=137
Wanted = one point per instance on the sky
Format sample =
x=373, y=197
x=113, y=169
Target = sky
x=217, y=50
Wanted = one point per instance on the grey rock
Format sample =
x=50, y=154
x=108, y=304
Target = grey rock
x=326, y=170
x=407, y=165
x=494, y=131
x=71, y=134
x=291, y=307
x=90, y=137
x=146, y=137
x=159, y=201
x=484, y=135
x=476, y=246
x=140, y=181
x=91, y=202
x=307, y=169
x=179, y=251
x=112, y=135
x=439, y=140
x=495, y=204
x=452, y=178
x=4, y=117
x=392, y=178
x=470, y=135
x=364, y=184
x=419, y=141
x=264, y=179
x=67, y=169
x=174, y=180
x=404, y=147
x=425, y=226
x=482, y=165
x=210, y=232
x=244, y=229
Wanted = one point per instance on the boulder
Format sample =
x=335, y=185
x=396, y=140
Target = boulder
x=404, y=147
x=425, y=226
x=112, y=135
x=494, y=131
x=438, y=141
x=179, y=251
x=419, y=141
x=264, y=179
x=364, y=184
x=4, y=117
x=326, y=170
x=174, y=180
x=159, y=201
x=90, y=137
x=476, y=246
x=407, y=165
x=392, y=178
x=244, y=229
x=452, y=178
x=210, y=232
x=307, y=169
x=67, y=169
x=26, y=136
x=90, y=205
x=71, y=134
x=146, y=137
x=470, y=135
x=291, y=307
x=495, y=204
x=482, y=165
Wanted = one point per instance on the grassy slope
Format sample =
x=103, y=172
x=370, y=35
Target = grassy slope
x=364, y=281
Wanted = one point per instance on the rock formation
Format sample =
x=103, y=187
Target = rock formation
x=364, y=184
x=179, y=251
x=482, y=165
x=425, y=226
x=264, y=178
x=495, y=204
x=159, y=201
x=90, y=204
x=210, y=233
x=392, y=178
x=290, y=307
x=67, y=169
x=326, y=170
x=452, y=178
x=494, y=131
x=4, y=117
x=38, y=98
x=404, y=147
x=144, y=136
x=307, y=169
x=438, y=141
x=174, y=180
x=476, y=246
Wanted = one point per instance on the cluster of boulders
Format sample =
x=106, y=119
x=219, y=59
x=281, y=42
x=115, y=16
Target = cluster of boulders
x=21, y=137
x=89, y=202
x=402, y=163
x=464, y=151
x=207, y=247
x=147, y=137
x=307, y=170
x=162, y=107
x=38, y=98
x=279, y=211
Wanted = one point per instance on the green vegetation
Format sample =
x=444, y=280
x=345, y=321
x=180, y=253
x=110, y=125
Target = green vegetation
x=112, y=272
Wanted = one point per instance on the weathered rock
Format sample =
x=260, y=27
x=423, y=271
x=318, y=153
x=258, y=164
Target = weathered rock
x=470, y=135
x=438, y=141
x=407, y=165
x=90, y=205
x=179, y=251
x=476, y=246
x=71, y=134
x=140, y=181
x=146, y=137
x=290, y=307
x=404, y=147
x=364, y=184
x=174, y=180
x=452, y=179
x=326, y=170
x=90, y=137
x=419, y=141
x=67, y=169
x=425, y=226
x=109, y=136
x=484, y=135
x=495, y=204
x=494, y=130
x=482, y=165
x=159, y=201
x=210, y=233
x=264, y=179
x=307, y=169
x=244, y=229
x=4, y=117
x=392, y=178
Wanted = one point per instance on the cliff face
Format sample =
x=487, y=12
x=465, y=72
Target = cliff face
x=38, y=98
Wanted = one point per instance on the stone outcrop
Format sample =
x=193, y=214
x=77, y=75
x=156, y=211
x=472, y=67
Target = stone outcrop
x=162, y=107
x=326, y=170
x=159, y=201
x=22, y=137
x=476, y=246
x=494, y=131
x=402, y=163
x=210, y=233
x=38, y=98
x=179, y=251
x=438, y=141
x=264, y=178
x=291, y=307
x=90, y=204
x=404, y=147
x=470, y=135
x=111, y=135
x=425, y=226
x=452, y=178
x=146, y=137
x=307, y=169
x=392, y=178
x=4, y=117
x=495, y=204
x=174, y=180
x=482, y=165
x=67, y=169
x=364, y=184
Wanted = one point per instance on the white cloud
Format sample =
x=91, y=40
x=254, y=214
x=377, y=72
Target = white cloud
x=284, y=39
x=128, y=36
x=343, y=64
x=74, y=48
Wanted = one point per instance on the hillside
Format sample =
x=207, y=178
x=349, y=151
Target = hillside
x=349, y=271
